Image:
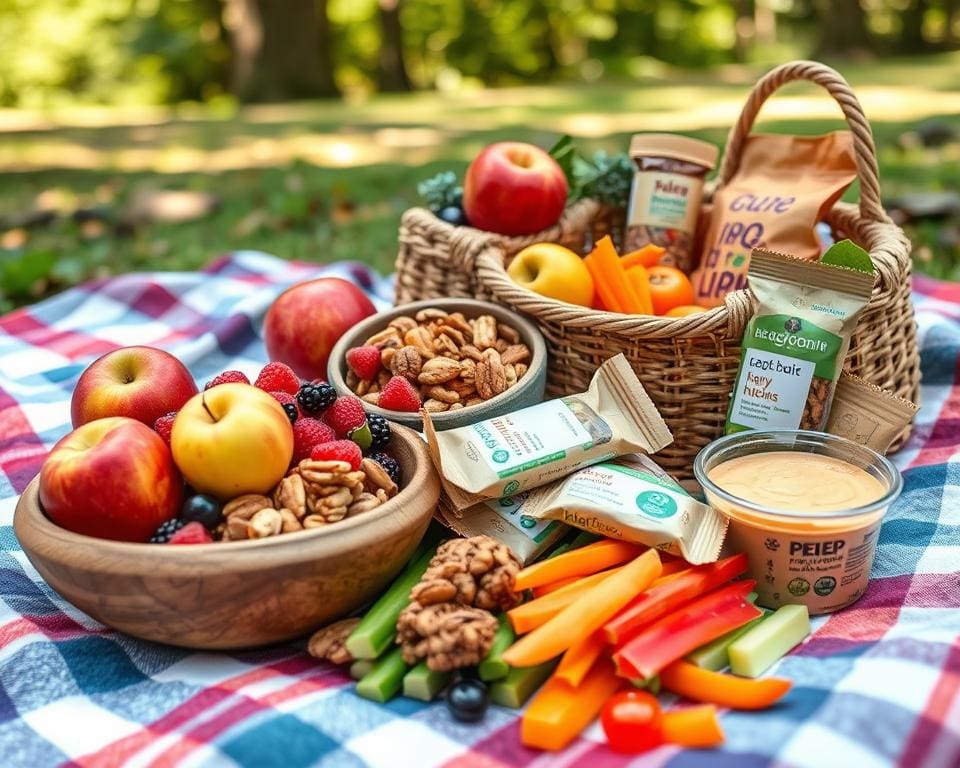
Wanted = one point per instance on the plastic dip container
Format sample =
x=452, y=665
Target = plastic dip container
x=805, y=507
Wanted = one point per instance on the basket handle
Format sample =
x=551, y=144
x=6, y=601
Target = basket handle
x=835, y=84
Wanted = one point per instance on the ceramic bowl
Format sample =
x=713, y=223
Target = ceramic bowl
x=238, y=594
x=528, y=391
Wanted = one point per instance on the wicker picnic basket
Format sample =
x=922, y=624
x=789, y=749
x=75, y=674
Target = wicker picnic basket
x=688, y=364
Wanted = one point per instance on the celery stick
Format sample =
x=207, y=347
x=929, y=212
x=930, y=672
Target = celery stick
x=360, y=668
x=384, y=681
x=755, y=652
x=520, y=684
x=493, y=667
x=714, y=655
x=423, y=683
x=377, y=629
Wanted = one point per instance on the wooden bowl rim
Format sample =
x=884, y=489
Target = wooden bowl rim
x=528, y=332
x=36, y=531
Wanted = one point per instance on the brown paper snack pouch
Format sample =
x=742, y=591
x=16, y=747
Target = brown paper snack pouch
x=522, y=450
x=626, y=499
x=795, y=343
x=867, y=414
x=783, y=187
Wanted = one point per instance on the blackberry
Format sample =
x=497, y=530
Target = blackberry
x=166, y=530
x=389, y=463
x=313, y=398
x=291, y=410
x=379, y=429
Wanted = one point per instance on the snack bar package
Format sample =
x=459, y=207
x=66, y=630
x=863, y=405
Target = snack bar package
x=794, y=345
x=627, y=499
x=518, y=451
x=783, y=187
x=507, y=521
x=867, y=414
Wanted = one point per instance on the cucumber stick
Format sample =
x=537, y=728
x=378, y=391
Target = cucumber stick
x=715, y=654
x=493, y=667
x=385, y=680
x=520, y=684
x=376, y=631
x=423, y=683
x=754, y=652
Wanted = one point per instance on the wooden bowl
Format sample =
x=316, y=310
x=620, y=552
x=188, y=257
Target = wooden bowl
x=528, y=391
x=237, y=594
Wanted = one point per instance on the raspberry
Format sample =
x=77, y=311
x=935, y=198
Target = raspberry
x=166, y=530
x=191, y=533
x=364, y=361
x=398, y=394
x=289, y=403
x=338, y=450
x=164, y=426
x=307, y=433
x=345, y=415
x=278, y=377
x=390, y=464
x=380, y=431
x=227, y=377
x=313, y=398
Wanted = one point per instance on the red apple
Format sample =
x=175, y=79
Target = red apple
x=111, y=478
x=306, y=320
x=514, y=189
x=141, y=383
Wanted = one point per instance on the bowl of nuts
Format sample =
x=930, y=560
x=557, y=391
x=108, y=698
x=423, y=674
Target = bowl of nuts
x=350, y=532
x=460, y=359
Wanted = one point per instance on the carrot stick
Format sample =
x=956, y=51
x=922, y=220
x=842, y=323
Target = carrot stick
x=696, y=727
x=580, y=657
x=699, y=684
x=587, y=614
x=647, y=256
x=604, y=289
x=559, y=712
x=608, y=264
x=640, y=280
x=577, y=562
x=553, y=586
x=531, y=615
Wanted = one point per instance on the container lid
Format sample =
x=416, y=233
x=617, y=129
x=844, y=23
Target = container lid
x=676, y=147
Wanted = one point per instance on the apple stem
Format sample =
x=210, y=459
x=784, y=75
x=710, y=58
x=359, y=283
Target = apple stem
x=203, y=402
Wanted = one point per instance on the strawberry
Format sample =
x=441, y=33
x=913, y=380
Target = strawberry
x=278, y=377
x=228, y=377
x=398, y=394
x=191, y=533
x=164, y=426
x=345, y=415
x=364, y=361
x=338, y=450
x=308, y=433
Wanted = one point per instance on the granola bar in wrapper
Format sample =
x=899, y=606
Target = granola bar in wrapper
x=506, y=520
x=868, y=415
x=633, y=499
x=518, y=451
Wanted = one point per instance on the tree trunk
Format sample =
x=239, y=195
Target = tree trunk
x=281, y=49
x=393, y=70
x=744, y=29
x=911, y=28
x=843, y=28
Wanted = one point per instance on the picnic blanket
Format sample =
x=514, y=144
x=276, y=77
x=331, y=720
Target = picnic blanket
x=875, y=685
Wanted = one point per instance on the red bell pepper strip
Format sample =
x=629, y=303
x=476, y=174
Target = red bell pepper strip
x=676, y=634
x=660, y=599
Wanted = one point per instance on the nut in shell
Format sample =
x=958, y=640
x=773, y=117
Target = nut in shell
x=438, y=371
x=422, y=339
x=407, y=362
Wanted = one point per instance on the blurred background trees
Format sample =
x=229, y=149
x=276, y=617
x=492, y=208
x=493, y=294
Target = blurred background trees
x=167, y=51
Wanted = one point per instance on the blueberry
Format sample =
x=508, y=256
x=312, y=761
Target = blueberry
x=203, y=509
x=453, y=215
x=467, y=700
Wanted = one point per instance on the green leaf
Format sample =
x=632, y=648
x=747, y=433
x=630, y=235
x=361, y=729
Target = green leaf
x=578, y=170
x=849, y=255
x=19, y=271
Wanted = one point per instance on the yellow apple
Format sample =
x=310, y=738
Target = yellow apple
x=232, y=439
x=552, y=270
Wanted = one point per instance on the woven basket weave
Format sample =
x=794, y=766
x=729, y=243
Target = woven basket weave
x=688, y=364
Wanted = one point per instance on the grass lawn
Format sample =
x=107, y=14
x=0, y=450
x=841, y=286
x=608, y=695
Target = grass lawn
x=328, y=181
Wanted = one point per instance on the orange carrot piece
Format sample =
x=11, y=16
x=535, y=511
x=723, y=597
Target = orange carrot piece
x=710, y=687
x=608, y=264
x=580, y=658
x=577, y=562
x=605, y=293
x=640, y=280
x=696, y=727
x=559, y=712
x=586, y=614
x=553, y=586
x=529, y=616
x=647, y=256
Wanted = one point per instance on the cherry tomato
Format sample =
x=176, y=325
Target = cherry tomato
x=632, y=721
x=684, y=309
x=669, y=288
